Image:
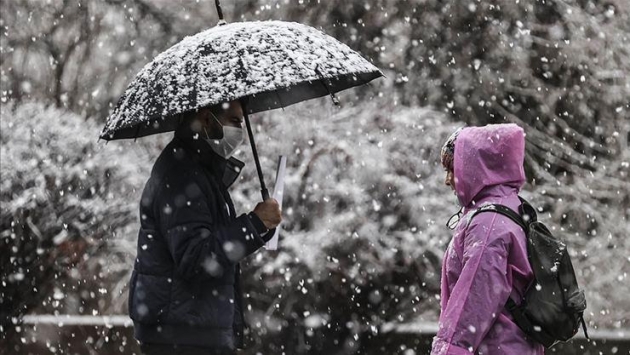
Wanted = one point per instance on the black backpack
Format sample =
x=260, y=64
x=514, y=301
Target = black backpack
x=553, y=306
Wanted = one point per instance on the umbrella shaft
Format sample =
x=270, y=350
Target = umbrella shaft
x=250, y=133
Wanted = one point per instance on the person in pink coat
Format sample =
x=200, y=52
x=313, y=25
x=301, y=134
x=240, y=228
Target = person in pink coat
x=486, y=260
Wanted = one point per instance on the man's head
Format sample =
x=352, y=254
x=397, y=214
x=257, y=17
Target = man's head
x=220, y=125
x=215, y=118
x=212, y=119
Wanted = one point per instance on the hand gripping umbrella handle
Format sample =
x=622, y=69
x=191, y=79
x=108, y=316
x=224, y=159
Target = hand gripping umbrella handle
x=250, y=133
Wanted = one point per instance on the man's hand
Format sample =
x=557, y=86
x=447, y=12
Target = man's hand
x=269, y=213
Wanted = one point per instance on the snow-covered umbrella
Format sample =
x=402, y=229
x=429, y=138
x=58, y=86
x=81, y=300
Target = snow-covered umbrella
x=265, y=64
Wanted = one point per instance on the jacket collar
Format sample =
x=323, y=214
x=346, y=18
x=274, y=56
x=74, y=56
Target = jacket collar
x=225, y=171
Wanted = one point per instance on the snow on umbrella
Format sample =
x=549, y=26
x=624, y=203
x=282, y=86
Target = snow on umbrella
x=266, y=65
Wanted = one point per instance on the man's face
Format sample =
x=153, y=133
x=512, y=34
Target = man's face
x=231, y=115
x=450, y=179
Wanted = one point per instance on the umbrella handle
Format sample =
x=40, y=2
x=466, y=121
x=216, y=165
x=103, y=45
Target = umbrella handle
x=265, y=194
x=263, y=188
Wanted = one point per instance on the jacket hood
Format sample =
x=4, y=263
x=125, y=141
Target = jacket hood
x=486, y=157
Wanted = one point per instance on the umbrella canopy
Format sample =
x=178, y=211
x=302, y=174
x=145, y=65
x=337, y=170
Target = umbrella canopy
x=271, y=64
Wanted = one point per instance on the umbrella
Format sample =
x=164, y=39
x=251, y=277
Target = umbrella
x=265, y=64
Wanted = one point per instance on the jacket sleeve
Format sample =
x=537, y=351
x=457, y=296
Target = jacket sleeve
x=199, y=247
x=479, y=294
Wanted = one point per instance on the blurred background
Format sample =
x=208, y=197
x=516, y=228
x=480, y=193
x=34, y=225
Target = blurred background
x=365, y=205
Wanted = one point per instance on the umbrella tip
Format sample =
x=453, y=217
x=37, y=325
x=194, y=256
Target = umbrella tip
x=222, y=22
x=335, y=100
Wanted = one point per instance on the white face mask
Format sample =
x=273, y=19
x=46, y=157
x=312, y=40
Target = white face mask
x=232, y=139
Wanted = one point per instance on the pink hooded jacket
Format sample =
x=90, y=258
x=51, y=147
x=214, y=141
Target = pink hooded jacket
x=486, y=260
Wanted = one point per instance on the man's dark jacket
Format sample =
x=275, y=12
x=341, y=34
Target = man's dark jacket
x=185, y=286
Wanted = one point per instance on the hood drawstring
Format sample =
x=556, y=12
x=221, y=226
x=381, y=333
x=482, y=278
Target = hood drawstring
x=454, y=220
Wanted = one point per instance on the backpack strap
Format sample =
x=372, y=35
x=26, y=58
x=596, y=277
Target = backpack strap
x=504, y=210
x=584, y=326
x=515, y=310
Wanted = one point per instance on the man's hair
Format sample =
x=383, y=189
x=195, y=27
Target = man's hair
x=219, y=108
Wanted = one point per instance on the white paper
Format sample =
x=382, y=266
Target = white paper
x=278, y=193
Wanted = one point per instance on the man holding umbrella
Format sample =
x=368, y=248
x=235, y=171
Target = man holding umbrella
x=185, y=294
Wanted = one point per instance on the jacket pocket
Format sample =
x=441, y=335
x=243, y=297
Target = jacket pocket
x=148, y=297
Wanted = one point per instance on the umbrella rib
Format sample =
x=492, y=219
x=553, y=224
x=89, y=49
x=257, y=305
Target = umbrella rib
x=296, y=63
x=137, y=132
x=279, y=99
x=323, y=81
